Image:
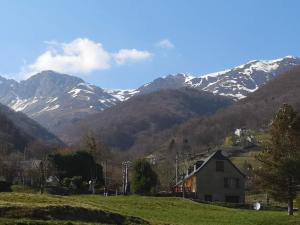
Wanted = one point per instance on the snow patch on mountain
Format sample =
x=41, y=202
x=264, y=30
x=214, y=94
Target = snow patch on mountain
x=22, y=104
x=123, y=95
x=54, y=99
x=236, y=83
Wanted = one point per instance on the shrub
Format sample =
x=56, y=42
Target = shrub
x=79, y=163
x=57, y=190
x=24, y=189
x=5, y=186
x=298, y=201
x=144, y=177
x=66, y=182
x=76, y=182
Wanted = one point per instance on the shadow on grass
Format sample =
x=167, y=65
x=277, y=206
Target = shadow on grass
x=65, y=212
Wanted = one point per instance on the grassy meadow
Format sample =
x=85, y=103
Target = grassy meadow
x=28, y=208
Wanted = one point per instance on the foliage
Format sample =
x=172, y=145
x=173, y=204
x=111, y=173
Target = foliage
x=298, y=201
x=57, y=190
x=144, y=178
x=5, y=186
x=79, y=163
x=229, y=141
x=24, y=189
x=10, y=166
x=280, y=160
x=67, y=181
x=74, y=185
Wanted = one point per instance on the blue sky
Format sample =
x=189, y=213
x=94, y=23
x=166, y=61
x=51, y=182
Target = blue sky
x=126, y=43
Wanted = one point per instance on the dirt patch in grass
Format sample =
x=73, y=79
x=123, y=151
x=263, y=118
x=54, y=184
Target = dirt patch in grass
x=65, y=212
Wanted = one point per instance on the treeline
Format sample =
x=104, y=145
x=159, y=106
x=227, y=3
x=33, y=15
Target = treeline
x=90, y=168
x=127, y=126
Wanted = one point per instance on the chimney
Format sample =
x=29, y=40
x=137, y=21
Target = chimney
x=195, y=167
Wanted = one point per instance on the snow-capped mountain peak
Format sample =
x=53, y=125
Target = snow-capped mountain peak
x=121, y=94
x=239, y=81
x=54, y=99
x=236, y=83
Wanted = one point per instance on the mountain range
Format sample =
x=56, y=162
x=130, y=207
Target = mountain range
x=58, y=100
x=147, y=123
x=235, y=83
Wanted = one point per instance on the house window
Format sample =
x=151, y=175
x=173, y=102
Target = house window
x=231, y=182
x=220, y=166
x=226, y=183
x=237, y=183
x=208, y=198
x=232, y=199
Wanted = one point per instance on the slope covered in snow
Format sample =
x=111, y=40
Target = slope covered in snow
x=239, y=81
x=236, y=83
x=54, y=99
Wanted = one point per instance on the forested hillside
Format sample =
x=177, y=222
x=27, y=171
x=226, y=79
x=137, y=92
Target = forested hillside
x=130, y=124
x=18, y=131
x=254, y=112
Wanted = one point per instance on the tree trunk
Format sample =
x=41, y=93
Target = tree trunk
x=290, y=207
x=290, y=198
x=42, y=177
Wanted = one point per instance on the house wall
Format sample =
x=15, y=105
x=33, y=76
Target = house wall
x=211, y=182
x=190, y=184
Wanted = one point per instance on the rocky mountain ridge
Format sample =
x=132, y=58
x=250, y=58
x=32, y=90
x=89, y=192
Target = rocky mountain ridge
x=57, y=100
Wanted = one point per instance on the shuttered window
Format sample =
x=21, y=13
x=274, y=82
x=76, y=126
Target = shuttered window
x=231, y=182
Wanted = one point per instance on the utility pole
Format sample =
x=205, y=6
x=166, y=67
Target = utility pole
x=24, y=153
x=42, y=176
x=176, y=169
x=105, y=179
x=125, y=166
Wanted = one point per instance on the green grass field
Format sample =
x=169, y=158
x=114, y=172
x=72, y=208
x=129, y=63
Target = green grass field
x=26, y=208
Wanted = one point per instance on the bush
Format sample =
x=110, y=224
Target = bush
x=24, y=189
x=229, y=140
x=66, y=182
x=74, y=185
x=5, y=186
x=57, y=190
x=76, y=182
x=144, y=177
x=76, y=164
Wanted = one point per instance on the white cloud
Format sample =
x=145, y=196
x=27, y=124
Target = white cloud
x=165, y=43
x=131, y=55
x=80, y=56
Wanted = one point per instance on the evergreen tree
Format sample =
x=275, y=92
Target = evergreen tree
x=79, y=163
x=280, y=171
x=144, y=177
